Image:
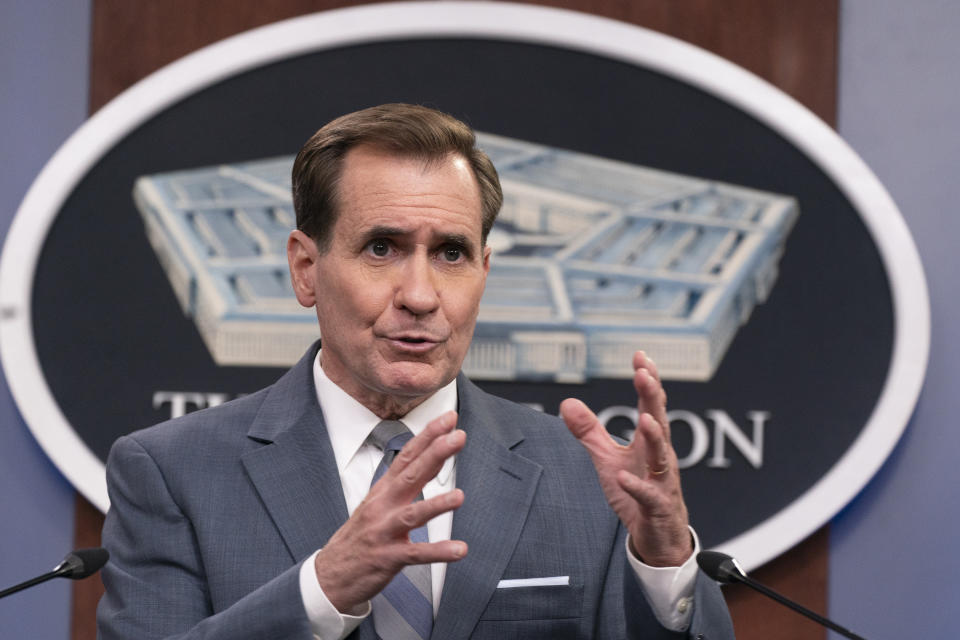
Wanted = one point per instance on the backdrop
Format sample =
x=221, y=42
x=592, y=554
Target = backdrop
x=27, y=471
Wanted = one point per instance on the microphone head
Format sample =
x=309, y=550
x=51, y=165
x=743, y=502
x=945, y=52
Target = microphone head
x=720, y=567
x=82, y=563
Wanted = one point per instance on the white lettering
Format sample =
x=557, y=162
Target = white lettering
x=182, y=402
x=724, y=427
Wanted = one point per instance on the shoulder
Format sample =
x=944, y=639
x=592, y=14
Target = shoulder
x=203, y=432
x=166, y=468
x=228, y=428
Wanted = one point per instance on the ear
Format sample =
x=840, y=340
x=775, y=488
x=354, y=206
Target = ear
x=487, y=250
x=302, y=258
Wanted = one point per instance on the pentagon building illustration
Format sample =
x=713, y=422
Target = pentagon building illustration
x=592, y=259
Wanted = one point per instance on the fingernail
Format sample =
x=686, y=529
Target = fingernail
x=460, y=550
x=453, y=437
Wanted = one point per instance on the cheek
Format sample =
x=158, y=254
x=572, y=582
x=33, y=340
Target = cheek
x=463, y=309
x=368, y=302
x=356, y=309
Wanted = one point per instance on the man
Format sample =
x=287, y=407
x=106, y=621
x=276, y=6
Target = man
x=257, y=519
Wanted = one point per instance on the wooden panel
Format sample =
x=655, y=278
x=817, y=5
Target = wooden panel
x=791, y=44
x=133, y=39
x=86, y=593
x=801, y=575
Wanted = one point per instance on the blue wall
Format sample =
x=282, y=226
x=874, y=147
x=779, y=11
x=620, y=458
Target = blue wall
x=892, y=559
x=44, y=71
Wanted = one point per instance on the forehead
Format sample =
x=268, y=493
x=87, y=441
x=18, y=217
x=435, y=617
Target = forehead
x=378, y=188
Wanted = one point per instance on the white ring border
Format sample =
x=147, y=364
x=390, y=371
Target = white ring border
x=497, y=21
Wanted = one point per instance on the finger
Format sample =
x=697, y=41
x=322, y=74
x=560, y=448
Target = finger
x=437, y=427
x=429, y=552
x=651, y=398
x=648, y=386
x=404, y=483
x=642, y=361
x=658, y=451
x=417, y=514
x=641, y=490
x=585, y=427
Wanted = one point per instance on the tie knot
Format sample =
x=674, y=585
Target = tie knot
x=389, y=436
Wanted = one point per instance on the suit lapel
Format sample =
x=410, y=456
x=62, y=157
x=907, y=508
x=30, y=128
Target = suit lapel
x=499, y=485
x=294, y=471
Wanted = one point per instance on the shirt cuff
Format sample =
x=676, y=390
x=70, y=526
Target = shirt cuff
x=669, y=590
x=325, y=621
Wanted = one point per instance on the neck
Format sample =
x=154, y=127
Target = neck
x=389, y=407
x=382, y=404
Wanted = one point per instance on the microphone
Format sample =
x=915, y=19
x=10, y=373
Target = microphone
x=82, y=563
x=726, y=570
x=76, y=565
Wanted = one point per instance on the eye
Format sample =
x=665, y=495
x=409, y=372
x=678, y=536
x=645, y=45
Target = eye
x=452, y=254
x=379, y=248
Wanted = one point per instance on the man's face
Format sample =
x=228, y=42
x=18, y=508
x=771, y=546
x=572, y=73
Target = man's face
x=398, y=289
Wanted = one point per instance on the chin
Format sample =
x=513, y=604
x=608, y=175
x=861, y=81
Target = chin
x=415, y=379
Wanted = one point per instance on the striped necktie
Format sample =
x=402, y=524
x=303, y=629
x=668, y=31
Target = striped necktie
x=404, y=609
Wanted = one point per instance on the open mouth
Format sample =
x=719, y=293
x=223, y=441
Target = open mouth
x=414, y=344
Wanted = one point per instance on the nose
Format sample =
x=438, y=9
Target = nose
x=416, y=290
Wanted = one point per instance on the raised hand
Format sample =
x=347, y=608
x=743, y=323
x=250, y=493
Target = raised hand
x=641, y=479
x=374, y=544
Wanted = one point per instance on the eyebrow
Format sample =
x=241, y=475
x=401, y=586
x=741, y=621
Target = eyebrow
x=386, y=231
x=457, y=239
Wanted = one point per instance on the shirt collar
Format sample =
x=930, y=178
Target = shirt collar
x=349, y=422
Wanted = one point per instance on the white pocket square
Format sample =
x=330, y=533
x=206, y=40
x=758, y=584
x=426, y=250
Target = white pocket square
x=534, y=582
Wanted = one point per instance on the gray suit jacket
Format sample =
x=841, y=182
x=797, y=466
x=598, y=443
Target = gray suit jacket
x=212, y=513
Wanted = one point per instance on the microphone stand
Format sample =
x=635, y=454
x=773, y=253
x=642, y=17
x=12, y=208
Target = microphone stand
x=57, y=572
x=77, y=565
x=770, y=593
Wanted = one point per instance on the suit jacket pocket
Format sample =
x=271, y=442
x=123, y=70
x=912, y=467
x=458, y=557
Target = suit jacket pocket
x=535, y=603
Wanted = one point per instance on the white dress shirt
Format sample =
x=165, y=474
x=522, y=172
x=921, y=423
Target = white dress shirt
x=669, y=590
